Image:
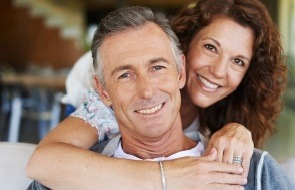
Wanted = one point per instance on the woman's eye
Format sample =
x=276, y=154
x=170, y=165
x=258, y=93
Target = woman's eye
x=239, y=62
x=210, y=47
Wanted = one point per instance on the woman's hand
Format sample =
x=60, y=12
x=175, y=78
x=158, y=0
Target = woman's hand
x=233, y=140
x=203, y=173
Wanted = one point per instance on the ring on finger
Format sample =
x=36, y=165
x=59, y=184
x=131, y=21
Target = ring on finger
x=237, y=160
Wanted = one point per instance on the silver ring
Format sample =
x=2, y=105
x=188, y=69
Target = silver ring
x=237, y=160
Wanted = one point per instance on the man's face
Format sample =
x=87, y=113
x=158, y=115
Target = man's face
x=142, y=81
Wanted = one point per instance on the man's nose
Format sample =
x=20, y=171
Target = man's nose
x=146, y=88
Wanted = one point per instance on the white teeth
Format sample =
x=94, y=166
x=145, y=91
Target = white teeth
x=151, y=110
x=207, y=83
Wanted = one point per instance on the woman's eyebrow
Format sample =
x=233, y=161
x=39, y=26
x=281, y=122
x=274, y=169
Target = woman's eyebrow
x=244, y=57
x=209, y=38
x=240, y=56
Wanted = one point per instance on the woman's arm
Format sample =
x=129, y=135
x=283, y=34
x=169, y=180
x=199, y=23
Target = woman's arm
x=62, y=161
x=233, y=140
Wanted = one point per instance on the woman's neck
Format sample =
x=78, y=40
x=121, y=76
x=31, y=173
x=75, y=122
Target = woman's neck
x=188, y=110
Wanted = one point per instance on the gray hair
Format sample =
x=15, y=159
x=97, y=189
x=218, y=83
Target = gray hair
x=126, y=18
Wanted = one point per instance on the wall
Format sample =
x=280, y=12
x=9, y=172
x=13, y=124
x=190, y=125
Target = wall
x=26, y=40
x=281, y=144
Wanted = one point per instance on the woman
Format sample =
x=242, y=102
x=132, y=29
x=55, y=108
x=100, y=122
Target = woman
x=128, y=173
x=256, y=102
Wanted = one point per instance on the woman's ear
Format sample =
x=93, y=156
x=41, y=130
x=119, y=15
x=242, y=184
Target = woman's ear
x=102, y=92
x=182, y=73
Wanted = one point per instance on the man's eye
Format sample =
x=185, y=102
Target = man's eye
x=210, y=47
x=124, y=75
x=158, y=67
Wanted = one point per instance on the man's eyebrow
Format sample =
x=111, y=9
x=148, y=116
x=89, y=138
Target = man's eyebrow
x=120, y=68
x=159, y=59
x=129, y=66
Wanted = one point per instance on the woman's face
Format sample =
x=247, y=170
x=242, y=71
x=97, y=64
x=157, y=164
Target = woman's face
x=217, y=60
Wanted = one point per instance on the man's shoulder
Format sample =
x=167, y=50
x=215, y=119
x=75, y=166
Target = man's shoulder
x=107, y=147
x=265, y=173
x=258, y=155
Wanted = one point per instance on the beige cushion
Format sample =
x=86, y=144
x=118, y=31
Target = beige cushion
x=13, y=160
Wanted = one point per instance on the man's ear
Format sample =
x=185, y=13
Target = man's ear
x=102, y=92
x=182, y=73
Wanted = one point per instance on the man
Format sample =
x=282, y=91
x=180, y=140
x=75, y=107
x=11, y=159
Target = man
x=140, y=70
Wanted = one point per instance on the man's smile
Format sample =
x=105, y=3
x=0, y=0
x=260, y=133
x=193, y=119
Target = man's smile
x=150, y=110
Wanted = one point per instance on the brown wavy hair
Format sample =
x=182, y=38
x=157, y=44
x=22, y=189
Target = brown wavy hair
x=256, y=102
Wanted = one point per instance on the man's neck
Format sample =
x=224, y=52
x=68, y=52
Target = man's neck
x=171, y=142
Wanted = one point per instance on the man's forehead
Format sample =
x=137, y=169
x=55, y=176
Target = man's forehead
x=145, y=44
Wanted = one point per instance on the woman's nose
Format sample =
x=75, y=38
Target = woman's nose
x=219, y=68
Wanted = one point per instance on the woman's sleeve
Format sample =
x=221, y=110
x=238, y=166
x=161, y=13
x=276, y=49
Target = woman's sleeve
x=98, y=115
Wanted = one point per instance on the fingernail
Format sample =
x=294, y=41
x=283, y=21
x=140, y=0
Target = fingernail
x=211, y=151
x=240, y=169
x=244, y=180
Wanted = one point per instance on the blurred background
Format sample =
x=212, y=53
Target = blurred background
x=40, y=40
